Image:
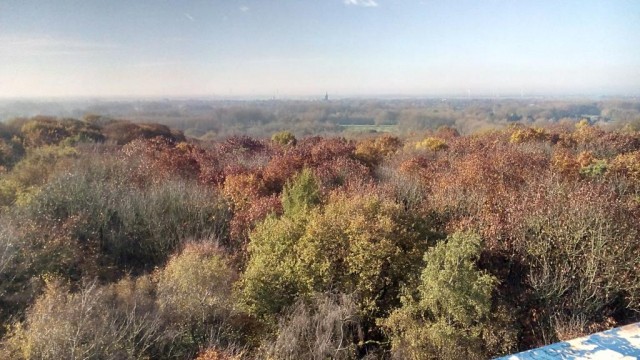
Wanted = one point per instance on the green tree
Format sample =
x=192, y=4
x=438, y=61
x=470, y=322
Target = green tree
x=270, y=282
x=284, y=138
x=301, y=194
x=445, y=319
x=195, y=297
x=363, y=245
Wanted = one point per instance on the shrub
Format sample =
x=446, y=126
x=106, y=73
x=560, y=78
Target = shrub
x=285, y=138
x=159, y=159
x=313, y=153
x=84, y=324
x=628, y=166
x=327, y=328
x=343, y=172
x=529, y=134
x=26, y=253
x=365, y=245
x=11, y=151
x=243, y=189
x=128, y=227
x=451, y=308
x=41, y=130
x=579, y=242
x=431, y=143
x=123, y=132
x=447, y=132
x=196, y=283
x=245, y=220
x=565, y=163
x=301, y=194
x=585, y=134
x=595, y=168
x=373, y=151
x=34, y=170
x=194, y=296
x=270, y=282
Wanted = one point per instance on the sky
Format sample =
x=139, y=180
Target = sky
x=293, y=48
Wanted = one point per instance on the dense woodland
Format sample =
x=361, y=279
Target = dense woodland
x=130, y=241
x=220, y=119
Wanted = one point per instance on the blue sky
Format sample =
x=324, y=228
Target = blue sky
x=308, y=47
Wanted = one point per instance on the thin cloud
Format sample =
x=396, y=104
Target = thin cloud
x=47, y=45
x=189, y=17
x=244, y=8
x=285, y=60
x=168, y=63
x=363, y=3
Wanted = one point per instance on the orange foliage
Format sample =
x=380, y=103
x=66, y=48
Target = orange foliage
x=372, y=151
x=243, y=189
x=585, y=158
x=446, y=133
x=216, y=354
x=313, y=153
x=628, y=165
x=585, y=134
x=160, y=158
x=563, y=162
x=245, y=219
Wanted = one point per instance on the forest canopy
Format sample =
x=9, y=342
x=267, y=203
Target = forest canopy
x=130, y=240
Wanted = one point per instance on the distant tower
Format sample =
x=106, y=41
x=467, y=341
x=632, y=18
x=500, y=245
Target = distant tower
x=326, y=96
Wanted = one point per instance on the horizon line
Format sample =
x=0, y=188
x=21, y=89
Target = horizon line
x=320, y=96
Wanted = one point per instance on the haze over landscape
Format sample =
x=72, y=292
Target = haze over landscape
x=306, y=48
x=305, y=179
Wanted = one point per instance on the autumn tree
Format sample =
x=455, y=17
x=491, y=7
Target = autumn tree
x=364, y=245
x=285, y=138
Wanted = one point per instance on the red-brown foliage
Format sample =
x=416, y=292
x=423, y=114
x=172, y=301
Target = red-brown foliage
x=160, y=158
x=245, y=219
x=314, y=153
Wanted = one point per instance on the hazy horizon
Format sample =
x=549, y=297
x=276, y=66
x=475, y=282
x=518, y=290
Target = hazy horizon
x=302, y=49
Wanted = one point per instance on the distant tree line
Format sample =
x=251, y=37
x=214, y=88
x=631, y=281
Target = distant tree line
x=219, y=119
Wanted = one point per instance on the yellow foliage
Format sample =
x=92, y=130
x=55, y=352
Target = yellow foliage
x=585, y=132
x=372, y=151
x=528, y=135
x=628, y=164
x=355, y=244
x=184, y=147
x=216, y=354
x=195, y=284
x=431, y=143
x=22, y=183
x=585, y=158
x=564, y=162
x=584, y=123
x=284, y=138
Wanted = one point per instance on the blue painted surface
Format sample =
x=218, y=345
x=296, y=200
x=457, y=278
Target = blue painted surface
x=618, y=343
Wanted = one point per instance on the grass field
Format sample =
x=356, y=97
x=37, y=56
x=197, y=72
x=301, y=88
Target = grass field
x=370, y=128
